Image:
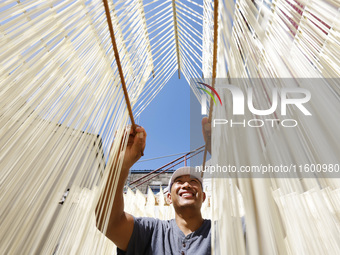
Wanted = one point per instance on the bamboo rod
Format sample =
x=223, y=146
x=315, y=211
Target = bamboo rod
x=213, y=75
x=120, y=70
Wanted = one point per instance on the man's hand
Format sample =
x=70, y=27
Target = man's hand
x=135, y=147
x=206, y=130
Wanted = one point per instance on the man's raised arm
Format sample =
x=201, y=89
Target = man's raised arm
x=120, y=224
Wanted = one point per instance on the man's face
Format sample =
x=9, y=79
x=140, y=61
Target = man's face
x=186, y=192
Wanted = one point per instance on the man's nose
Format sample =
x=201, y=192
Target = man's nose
x=186, y=184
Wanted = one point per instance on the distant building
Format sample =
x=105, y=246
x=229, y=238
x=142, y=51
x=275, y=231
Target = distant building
x=155, y=183
x=159, y=180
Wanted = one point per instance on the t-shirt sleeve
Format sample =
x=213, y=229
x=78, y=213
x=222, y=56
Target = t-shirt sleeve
x=140, y=239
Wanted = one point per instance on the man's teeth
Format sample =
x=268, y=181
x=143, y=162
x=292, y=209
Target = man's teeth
x=187, y=195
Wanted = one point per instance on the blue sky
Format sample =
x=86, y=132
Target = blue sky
x=167, y=123
x=167, y=118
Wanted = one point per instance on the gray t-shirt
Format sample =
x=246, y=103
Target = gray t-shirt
x=157, y=237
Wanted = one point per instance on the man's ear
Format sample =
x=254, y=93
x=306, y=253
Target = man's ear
x=204, y=197
x=168, y=198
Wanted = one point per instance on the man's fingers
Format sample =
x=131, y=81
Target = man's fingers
x=206, y=130
x=133, y=133
x=206, y=126
x=139, y=141
x=205, y=120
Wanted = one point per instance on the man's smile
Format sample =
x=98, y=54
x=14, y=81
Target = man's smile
x=187, y=194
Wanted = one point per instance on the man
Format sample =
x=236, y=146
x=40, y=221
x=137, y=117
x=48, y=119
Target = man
x=188, y=233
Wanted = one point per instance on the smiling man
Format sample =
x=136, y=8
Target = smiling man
x=187, y=196
x=188, y=233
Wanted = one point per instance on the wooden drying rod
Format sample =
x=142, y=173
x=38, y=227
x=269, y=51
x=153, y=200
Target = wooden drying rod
x=213, y=75
x=120, y=70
